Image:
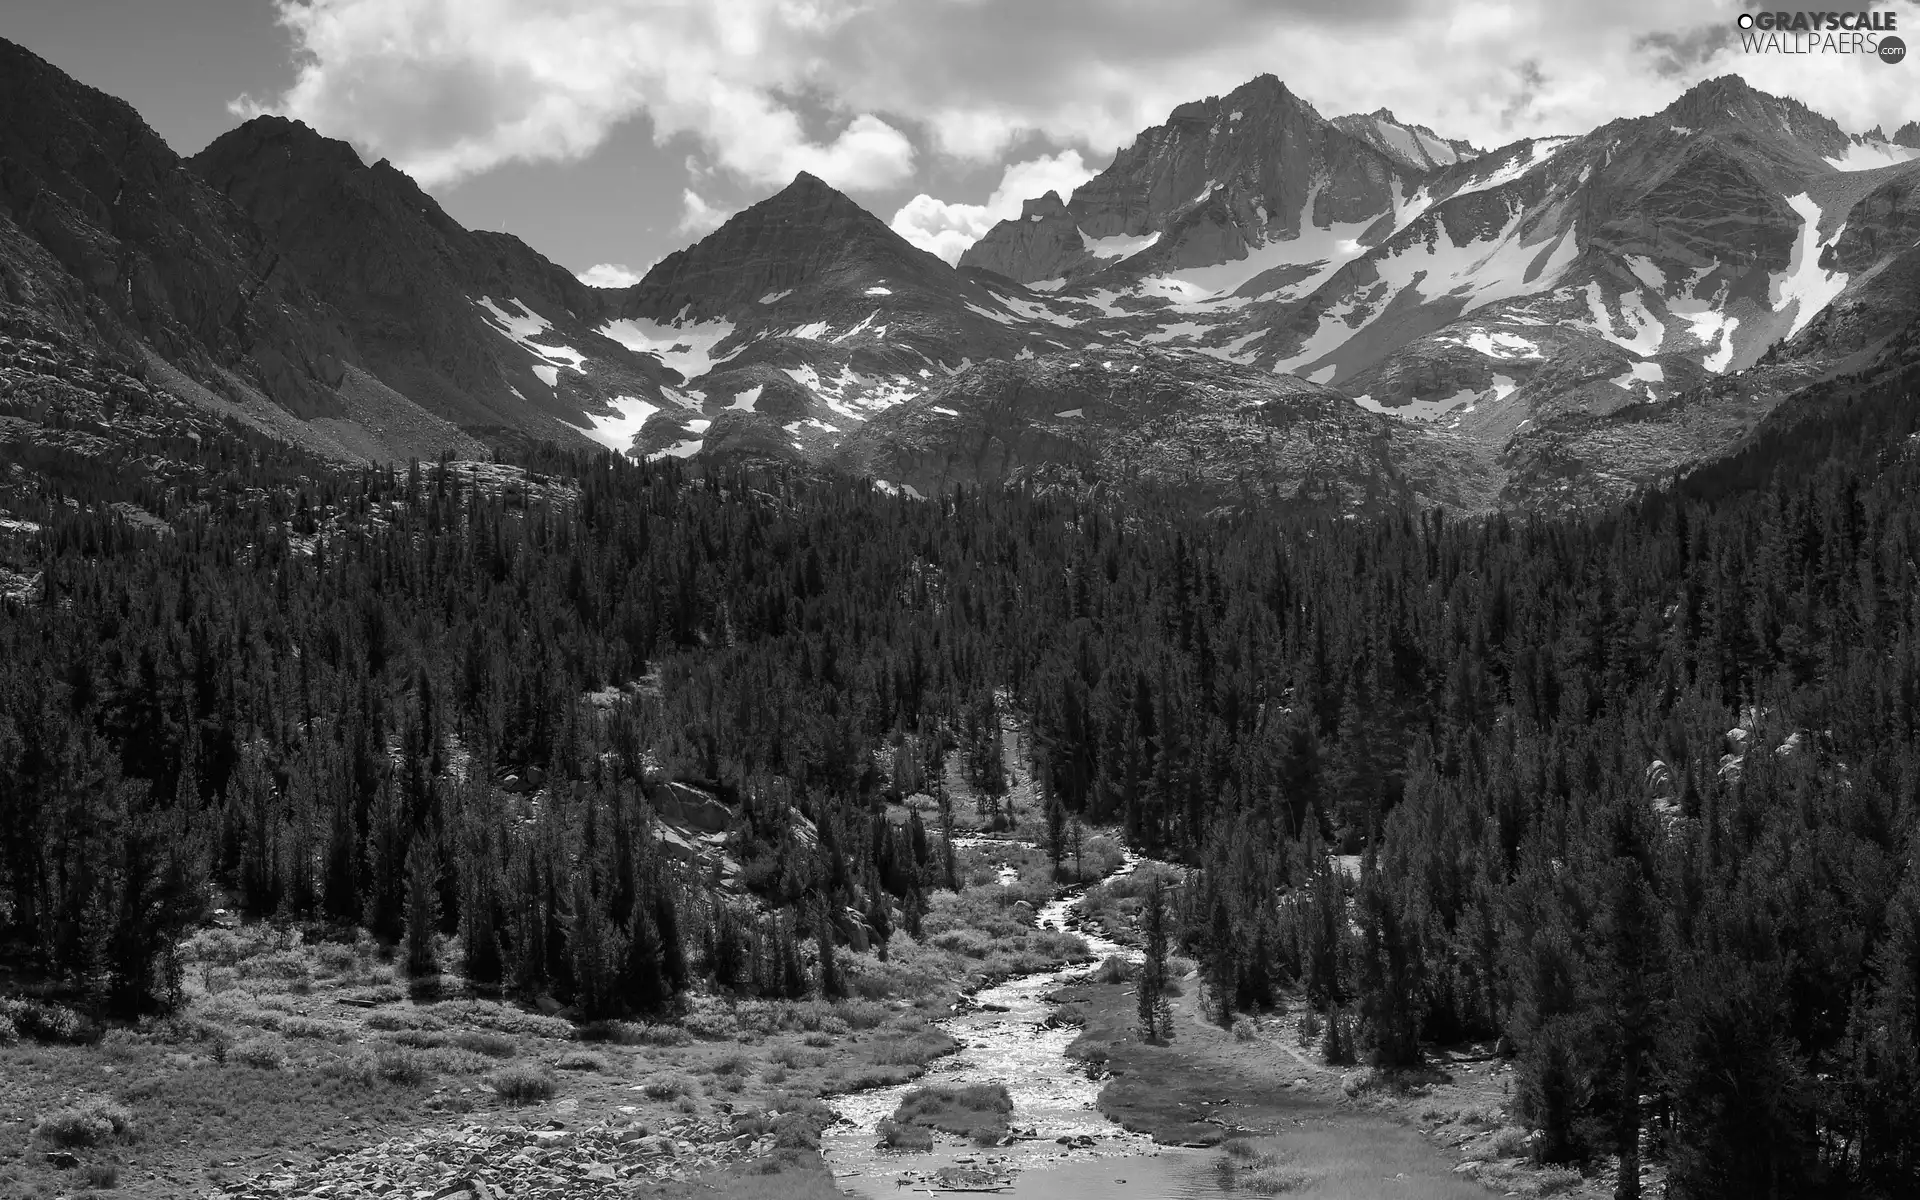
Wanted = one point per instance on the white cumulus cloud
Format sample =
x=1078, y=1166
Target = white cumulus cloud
x=859, y=91
x=946, y=230
x=699, y=216
x=610, y=275
x=451, y=88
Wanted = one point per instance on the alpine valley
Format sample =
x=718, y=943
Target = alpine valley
x=1252, y=302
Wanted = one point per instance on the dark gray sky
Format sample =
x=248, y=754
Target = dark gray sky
x=613, y=131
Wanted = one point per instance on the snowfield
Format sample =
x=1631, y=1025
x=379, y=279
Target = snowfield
x=686, y=347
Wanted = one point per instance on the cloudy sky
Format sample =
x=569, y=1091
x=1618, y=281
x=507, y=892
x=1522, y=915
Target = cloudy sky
x=607, y=133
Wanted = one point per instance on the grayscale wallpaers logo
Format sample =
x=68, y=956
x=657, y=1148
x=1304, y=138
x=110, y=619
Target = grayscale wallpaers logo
x=1863, y=33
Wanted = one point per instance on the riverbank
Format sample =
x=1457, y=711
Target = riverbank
x=1336, y=1131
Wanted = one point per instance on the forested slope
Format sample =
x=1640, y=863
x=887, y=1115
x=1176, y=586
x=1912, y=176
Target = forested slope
x=1634, y=792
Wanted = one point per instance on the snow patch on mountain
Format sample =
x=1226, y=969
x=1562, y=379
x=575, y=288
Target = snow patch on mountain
x=522, y=328
x=1647, y=272
x=1325, y=250
x=1805, y=284
x=1496, y=345
x=687, y=347
x=1867, y=155
x=865, y=323
x=1645, y=332
x=618, y=431
x=1119, y=245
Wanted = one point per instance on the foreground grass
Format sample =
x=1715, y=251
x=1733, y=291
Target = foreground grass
x=292, y=1049
x=1284, y=1124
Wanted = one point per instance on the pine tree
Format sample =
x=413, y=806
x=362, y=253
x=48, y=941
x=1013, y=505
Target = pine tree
x=1056, y=831
x=823, y=939
x=423, y=909
x=1156, y=1016
x=643, y=985
x=479, y=929
x=598, y=952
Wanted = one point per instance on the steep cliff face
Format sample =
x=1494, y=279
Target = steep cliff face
x=1222, y=177
x=1415, y=147
x=144, y=253
x=1045, y=243
x=476, y=327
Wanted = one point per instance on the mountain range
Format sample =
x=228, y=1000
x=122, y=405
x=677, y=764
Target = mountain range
x=1250, y=301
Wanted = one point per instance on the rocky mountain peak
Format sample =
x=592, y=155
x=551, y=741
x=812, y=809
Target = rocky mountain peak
x=1729, y=100
x=1415, y=147
x=804, y=231
x=1908, y=135
x=163, y=257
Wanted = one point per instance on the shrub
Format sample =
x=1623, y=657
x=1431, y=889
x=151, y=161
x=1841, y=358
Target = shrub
x=318, y=1030
x=503, y=1018
x=45, y=1021
x=91, y=1124
x=493, y=1045
x=895, y=1135
x=334, y=958
x=733, y=1064
x=1510, y=1143
x=451, y=1060
x=102, y=1176
x=9, y=1032
x=796, y=1131
x=266, y=1053
x=580, y=1060
x=522, y=1084
x=398, y=1019
x=359, y=1070
x=407, y=1067
x=630, y=1033
x=673, y=1087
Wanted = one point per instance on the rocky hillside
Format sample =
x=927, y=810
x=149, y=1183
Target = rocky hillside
x=1223, y=178
x=474, y=327
x=803, y=315
x=278, y=279
x=1712, y=258
x=1524, y=326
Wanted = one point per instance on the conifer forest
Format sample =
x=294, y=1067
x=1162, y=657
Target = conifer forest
x=1634, y=794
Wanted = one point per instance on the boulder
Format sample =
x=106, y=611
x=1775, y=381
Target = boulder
x=852, y=929
x=1660, y=784
x=1731, y=766
x=690, y=808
